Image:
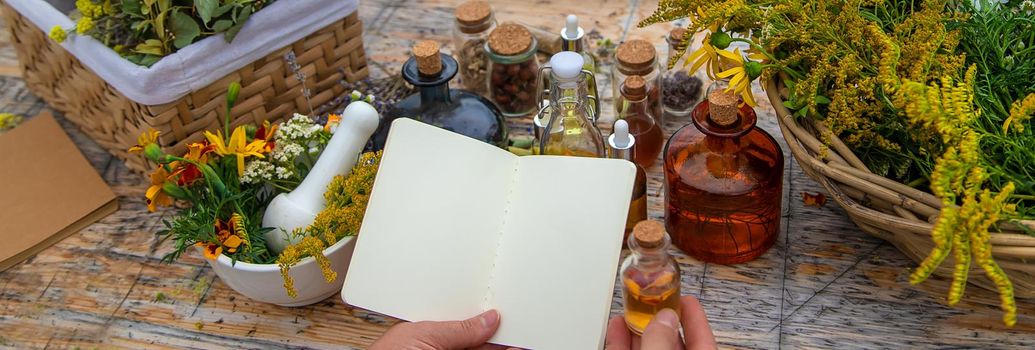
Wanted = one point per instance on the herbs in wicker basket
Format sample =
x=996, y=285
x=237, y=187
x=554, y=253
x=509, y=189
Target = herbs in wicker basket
x=144, y=31
x=888, y=78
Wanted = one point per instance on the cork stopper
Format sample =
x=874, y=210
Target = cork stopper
x=675, y=37
x=429, y=63
x=634, y=88
x=473, y=13
x=649, y=234
x=636, y=56
x=510, y=39
x=722, y=107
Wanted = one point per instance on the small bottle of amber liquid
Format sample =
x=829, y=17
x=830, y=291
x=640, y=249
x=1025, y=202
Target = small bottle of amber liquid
x=621, y=145
x=650, y=277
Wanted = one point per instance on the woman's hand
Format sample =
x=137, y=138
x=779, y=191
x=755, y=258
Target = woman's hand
x=469, y=333
x=663, y=331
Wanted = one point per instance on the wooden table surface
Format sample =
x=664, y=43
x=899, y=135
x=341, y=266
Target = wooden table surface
x=825, y=283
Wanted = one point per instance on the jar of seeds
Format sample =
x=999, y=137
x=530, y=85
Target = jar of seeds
x=513, y=69
x=637, y=57
x=474, y=22
x=680, y=87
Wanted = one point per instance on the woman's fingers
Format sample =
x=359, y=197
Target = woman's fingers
x=697, y=334
x=662, y=332
x=618, y=336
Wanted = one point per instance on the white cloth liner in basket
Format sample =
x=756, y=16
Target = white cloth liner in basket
x=201, y=63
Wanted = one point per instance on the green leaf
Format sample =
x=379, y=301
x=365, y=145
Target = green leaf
x=790, y=105
x=222, y=25
x=150, y=47
x=206, y=9
x=222, y=10
x=132, y=8
x=184, y=28
x=822, y=100
x=241, y=18
x=159, y=24
x=164, y=5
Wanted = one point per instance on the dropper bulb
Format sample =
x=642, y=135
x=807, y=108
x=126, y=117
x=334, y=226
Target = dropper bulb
x=571, y=26
x=621, y=134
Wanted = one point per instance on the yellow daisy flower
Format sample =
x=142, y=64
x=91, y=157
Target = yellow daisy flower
x=237, y=146
x=740, y=83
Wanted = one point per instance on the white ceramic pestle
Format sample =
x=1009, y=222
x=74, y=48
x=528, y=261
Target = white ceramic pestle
x=298, y=208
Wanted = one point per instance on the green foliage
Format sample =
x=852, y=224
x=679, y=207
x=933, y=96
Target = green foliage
x=144, y=31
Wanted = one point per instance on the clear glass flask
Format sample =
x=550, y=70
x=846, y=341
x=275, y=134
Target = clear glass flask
x=569, y=129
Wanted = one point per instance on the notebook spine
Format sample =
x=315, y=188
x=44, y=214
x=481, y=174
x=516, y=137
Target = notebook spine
x=499, y=239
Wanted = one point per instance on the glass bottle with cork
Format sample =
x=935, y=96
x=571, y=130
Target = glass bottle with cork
x=459, y=111
x=637, y=111
x=637, y=57
x=680, y=87
x=621, y=145
x=513, y=69
x=723, y=183
x=569, y=129
x=650, y=276
x=474, y=22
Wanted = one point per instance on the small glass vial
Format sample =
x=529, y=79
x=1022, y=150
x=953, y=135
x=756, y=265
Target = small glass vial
x=723, y=183
x=621, y=145
x=637, y=111
x=513, y=69
x=456, y=110
x=680, y=88
x=650, y=277
x=474, y=22
x=569, y=129
x=637, y=57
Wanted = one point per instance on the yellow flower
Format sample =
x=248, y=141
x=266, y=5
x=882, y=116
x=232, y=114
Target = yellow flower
x=155, y=195
x=705, y=55
x=146, y=138
x=238, y=146
x=58, y=34
x=1020, y=112
x=740, y=83
x=84, y=25
x=9, y=121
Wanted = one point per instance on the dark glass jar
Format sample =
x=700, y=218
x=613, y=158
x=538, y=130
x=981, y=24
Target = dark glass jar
x=723, y=184
x=436, y=104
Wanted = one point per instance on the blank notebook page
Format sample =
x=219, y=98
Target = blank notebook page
x=556, y=265
x=430, y=231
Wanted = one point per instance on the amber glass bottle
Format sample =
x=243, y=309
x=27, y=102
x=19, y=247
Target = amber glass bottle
x=643, y=123
x=723, y=183
x=621, y=145
x=650, y=277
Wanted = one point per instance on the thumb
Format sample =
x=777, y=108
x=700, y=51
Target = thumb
x=460, y=334
x=662, y=332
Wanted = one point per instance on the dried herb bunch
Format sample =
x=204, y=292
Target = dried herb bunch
x=891, y=79
x=144, y=31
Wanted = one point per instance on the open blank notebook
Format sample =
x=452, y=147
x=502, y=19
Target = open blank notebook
x=456, y=227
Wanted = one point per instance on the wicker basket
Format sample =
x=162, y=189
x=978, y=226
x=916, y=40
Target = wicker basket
x=269, y=90
x=890, y=210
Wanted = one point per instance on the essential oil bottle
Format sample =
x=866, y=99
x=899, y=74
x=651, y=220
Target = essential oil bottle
x=650, y=277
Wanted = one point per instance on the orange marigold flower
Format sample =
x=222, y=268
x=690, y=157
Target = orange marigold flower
x=155, y=195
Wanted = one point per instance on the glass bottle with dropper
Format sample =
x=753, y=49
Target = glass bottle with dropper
x=569, y=129
x=621, y=144
x=573, y=38
x=650, y=276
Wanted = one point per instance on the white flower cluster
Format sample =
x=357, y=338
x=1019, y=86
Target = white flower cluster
x=257, y=171
x=1028, y=6
x=300, y=127
x=286, y=152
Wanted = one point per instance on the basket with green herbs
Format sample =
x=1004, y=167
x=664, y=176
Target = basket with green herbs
x=915, y=115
